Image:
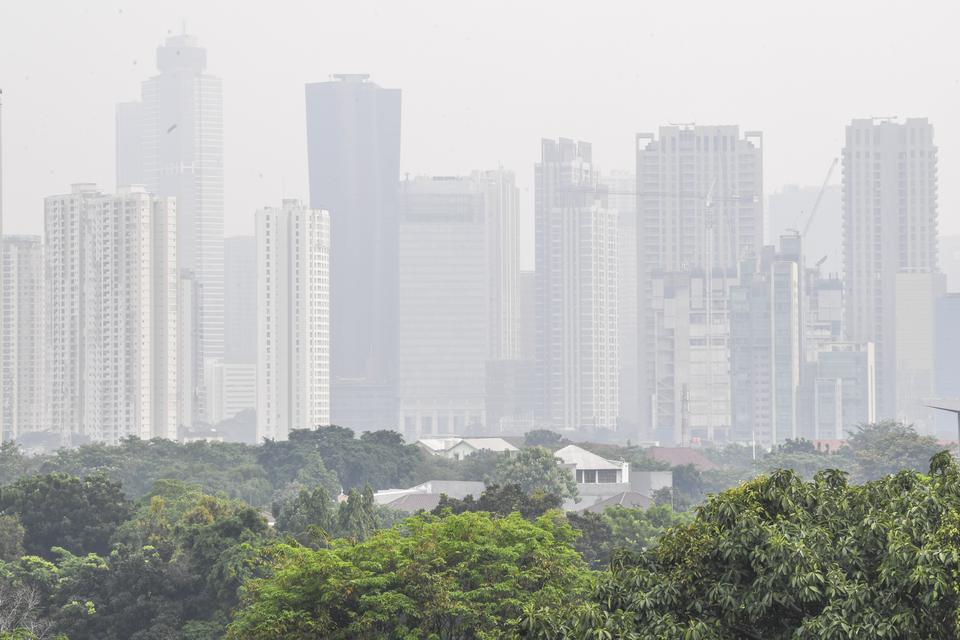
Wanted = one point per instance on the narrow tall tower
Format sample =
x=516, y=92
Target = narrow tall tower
x=353, y=147
x=890, y=264
x=293, y=323
x=172, y=142
x=576, y=291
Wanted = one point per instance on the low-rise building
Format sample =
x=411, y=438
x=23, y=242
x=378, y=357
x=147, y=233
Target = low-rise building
x=458, y=448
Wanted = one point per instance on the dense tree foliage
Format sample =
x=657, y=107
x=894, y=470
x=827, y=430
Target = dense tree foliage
x=800, y=553
x=534, y=470
x=502, y=501
x=782, y=558
x=58, y=510
x=462, y=576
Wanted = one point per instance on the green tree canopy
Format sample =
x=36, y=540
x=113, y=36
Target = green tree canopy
x=58, y=510
x=461, y=577
x=502, y=501
x=535, y=470
x=781, y=558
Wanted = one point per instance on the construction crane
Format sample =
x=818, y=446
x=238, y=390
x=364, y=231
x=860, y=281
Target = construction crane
x=816, y=204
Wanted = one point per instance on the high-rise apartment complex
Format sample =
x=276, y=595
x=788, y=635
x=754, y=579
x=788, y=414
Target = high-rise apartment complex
x=576, y=291
x=353, y=147
x=171, y=141
x=113, y=309
x=458, y=297
x=293, y=319
x=23, y=340
x=890, y=256
x=699, y=212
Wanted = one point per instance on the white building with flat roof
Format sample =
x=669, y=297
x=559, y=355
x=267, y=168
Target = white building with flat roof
x=24, y=339
x=112, y=299
x=293, y=319
x=890, y=256
x=577, y=291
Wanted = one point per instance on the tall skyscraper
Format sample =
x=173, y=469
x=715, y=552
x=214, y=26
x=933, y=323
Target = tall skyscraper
x=699, y=211
x=766, y=353
x=622, y=196
x=172, y=142
x=458, y=297
x=23, y=342
x=890, y=248
x=353, y=147
x=112, y=300
x=240, y=299
x=576, y=291
x=293, y=323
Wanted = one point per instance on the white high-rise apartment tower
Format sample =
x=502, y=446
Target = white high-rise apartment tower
x=699, y=211
x=172, y=142
x=24, y=391
x=890, y=263
x=293, y=319
x=112, y=300
x=576, y=291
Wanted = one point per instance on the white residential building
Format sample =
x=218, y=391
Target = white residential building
x=293, y=319
x=458, y=297
x=24, y=325
x=172, y=142
x=578, y=354
x=112, y=300
x=890, y=249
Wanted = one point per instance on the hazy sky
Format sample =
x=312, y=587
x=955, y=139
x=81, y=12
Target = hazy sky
x=482, y=82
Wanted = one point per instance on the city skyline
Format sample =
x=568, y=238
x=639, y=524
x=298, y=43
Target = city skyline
x=270, y=162
x=673, y=301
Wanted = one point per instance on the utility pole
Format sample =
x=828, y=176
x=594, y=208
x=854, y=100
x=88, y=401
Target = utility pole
x=954, y=411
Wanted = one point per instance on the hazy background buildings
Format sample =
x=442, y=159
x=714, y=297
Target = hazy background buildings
x=673, y=286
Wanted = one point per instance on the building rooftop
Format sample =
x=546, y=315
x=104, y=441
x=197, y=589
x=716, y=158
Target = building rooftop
x=583, y=459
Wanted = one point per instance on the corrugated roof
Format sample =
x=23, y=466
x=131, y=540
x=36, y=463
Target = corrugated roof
x=413, y=502
x=630, y=499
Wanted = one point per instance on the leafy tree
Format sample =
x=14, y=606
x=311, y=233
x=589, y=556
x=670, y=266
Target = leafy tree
x=65, y=511
x=800, y=445
x=887, y=447
x=308, y=516
x=782, y=558
x=535, y=470
x=595, y=540
x=13, y=464
x=502, y=501
x=543, y=438
x=215, y=467
x=461, y=576
x=11, y=537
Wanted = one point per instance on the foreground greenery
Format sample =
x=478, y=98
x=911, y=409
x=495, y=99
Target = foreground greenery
x=845, y=544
